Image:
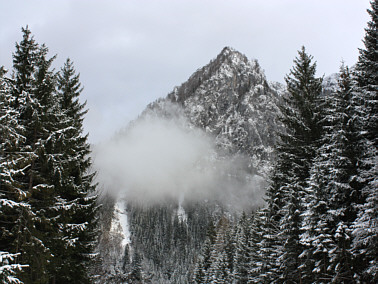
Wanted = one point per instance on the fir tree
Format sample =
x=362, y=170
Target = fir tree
x=136, y=269
x=332, y=192
x=199, y=273
x=202, y=269
x=24, y=65
x=229, y=251
x=47, y=204
x=257, y=263
x=126, y=260
x=32, y=92
x=219, y=271
x=73, y=180
x=365, y=97
x=220, y=260
x=295, y=152
x=269, y=247
x=242, y=254
x=12, y=197
x=9, y=269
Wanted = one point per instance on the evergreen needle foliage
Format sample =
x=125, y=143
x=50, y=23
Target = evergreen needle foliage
x=47, y=201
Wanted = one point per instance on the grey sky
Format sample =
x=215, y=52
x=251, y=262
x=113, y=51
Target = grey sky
x=131, y=52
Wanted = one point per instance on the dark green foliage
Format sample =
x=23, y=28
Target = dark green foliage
x=301, y=116
x=34, y=87
x=24, y=65
x=322, y=200
x=365, y=99
x=261, y=269
x=295, y=152
x=136, y=269
x=73, y=183
x=243, y=250
x=216, y=261
x=166, y=243
x=47, y=215
x=332, y=191
x=12, y=195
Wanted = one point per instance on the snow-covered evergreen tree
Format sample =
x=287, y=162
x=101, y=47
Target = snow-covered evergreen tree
x=46, y=202
x=24, y=65
x=12, y=197
x=136, y=269
x=199, y=273
x=73, y=182
x=258, y=249
x=242, y=251
x=9, y=269
x=220, y=259
x=332, y=192
x=365, y=97
x=269, y=246
x=202, y=270
x=295, y=152
x=32, y=88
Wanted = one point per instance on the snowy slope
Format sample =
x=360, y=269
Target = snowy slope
x=120, y=224
x=231, y=99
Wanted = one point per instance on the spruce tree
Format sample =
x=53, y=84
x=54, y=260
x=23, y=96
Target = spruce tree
x=242, y=253
x=229, y=250
x=126, y=260
x=136, y=269
x=204, y=262
x=12, y=196
x=220, y=259
x=73, y=181
x=199, y=273
x=32, y=93
x=270, y=243
x=9, y=268
x=48, y=206
x=257, y=262
x=297, y=147
x=332, y=191
x=269, y=247
x=365, y=97
x=24, y=65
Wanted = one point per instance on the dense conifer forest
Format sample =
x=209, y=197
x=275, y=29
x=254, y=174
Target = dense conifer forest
x=318, y=223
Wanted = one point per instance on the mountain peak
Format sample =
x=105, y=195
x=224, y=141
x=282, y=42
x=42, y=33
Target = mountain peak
x=231, y=56
x=227, y=50
x=231, y=99
x=230, y=67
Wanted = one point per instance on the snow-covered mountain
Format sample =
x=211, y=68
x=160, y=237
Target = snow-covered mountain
x=231, y=100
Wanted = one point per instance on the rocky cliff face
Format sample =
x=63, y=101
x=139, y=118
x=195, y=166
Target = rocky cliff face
x=231, y=99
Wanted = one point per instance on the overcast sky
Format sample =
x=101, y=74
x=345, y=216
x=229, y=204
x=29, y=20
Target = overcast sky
x=130, y=53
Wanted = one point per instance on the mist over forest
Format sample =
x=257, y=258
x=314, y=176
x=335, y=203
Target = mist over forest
x=229, y=178
x=158, y=158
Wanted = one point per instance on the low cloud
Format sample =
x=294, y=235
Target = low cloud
x=158, y=158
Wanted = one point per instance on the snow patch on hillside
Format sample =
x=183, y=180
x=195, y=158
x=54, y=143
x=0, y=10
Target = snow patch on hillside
x=120, y=224
x=181, y=211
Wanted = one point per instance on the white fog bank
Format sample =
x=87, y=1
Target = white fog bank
x=160, y=158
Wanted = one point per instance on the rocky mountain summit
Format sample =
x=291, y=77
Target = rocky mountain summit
x=231, y=100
